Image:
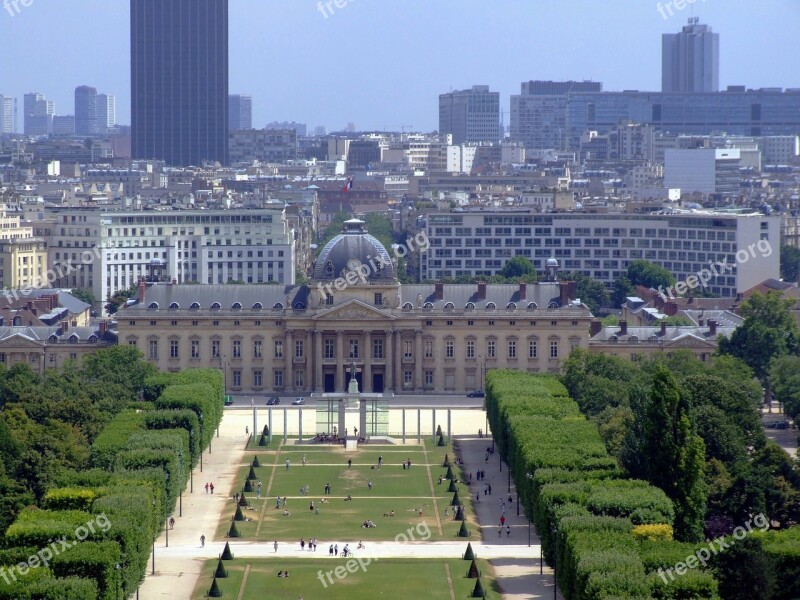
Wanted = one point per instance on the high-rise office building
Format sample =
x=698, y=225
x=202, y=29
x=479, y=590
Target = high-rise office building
x=179, y=80
x=240, y=112
x=106, y=112
x=86, y=111
x=8, y=114
x=38, y=114
x=64, y=125
x=470, y=115
x=690, y=59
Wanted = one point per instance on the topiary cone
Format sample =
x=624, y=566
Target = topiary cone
x=469, y=554
x=449, y=474
x=255, y=462
x=473, y=571
x=459, y=516
x=463, y=531
x=214, y=592
x=220, y=572
x=441, y=441
x=226, y=552
x=239, y=516
x=446, y=461
x=477, y=591
x=262, y=441
x=265, y=431
x=452, y=487
x=242, y=499
x=233, y=532
x=252, y=473
x=248, y=487
x=456, y=501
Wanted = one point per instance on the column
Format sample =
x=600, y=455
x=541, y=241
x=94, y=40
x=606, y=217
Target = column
x=418, y=361
x=308, y=355
x=389, y=343
x=319, y=384
x=339, y=359
x=288, y=353
x=366, y=375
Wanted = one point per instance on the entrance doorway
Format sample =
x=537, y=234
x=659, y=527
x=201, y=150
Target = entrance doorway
x=377, y=383
x=330, y=383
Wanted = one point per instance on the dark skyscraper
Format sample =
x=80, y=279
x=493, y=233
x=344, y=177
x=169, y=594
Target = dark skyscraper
x=86, y=111
x=690, y=59
x=179, y=80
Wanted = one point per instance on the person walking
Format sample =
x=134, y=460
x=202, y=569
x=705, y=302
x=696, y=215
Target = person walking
x=369, y=484
x=202, y=541
x=247, y=431
x=304, y=460
x=206, y=487
x=288, y=464
x=349, y=463
x=336, y=549
x=275, y=545
x=488, y=484
x=211, y=487
x=330, y=550
x=502, y=521
x=508, y=530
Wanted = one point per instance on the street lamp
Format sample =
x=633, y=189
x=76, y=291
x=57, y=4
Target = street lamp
x=201, y=442
x=529, y=477
x=555, y=561
x=166, y=517
x=191, y=467
x=116, y=579
x=153, y=572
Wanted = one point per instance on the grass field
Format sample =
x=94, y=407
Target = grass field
x=387, y=579
x=415, y=495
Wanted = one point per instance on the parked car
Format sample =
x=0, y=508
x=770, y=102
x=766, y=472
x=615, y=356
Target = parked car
x=476, y=394
x=228, y=401
x=273, y=401
x=298, y=402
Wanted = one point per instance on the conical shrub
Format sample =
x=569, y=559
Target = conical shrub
x=255, y=462
x=446, y=461
x=441, y=441
x=239, y=516
x=263, y=441
x=469, y=554
x=456, y=501
x=214, y=592
x=477, y=591
x=248, y=487
x=233, y=531
x=226, y=552
x=452, y=487
x=220, y=572
x=463, y=531
x=252, y=473
x=459, y=514
x=473, y=571
x=242, y=499
x=265, y=431
x=449, y=474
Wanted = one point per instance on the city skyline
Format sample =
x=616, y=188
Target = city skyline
x=312, y=56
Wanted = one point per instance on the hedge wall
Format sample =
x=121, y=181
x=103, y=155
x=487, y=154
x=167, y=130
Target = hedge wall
x=114, y=437
x=97, y=561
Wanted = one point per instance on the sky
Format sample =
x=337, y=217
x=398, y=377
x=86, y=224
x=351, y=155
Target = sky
x=381, y=64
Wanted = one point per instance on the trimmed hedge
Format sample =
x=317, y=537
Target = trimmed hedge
x=95, y=561
x=69, y=498
x=42, y=586
x=177, y=419
x=114, y=437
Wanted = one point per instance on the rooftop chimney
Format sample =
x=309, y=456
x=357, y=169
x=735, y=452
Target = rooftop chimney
x=712, y=326
x=663, y=327
x=567, y=292
x=595, y=327
x=142, y=290
x=523, y=290
x=481, y=290
x=623, y=327
x=103, y=327
x=439, y=290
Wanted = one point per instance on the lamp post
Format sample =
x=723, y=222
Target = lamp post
x=153, y=572
x=166, y=517
x=201, y=442
x=116, y=578
x=191, y=467
x=555, y=561
x=529, y=477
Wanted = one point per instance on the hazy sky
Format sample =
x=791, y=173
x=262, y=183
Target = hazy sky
x=382, y=63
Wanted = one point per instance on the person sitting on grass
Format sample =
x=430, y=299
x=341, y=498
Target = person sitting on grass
x=349, y=498
x=286, y=512
x=389, y=514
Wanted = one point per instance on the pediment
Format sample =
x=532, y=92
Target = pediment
x=353, y=310
x=691, y=341
x=20, y=341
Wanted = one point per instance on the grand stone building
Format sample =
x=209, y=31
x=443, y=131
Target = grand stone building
x=270, y=339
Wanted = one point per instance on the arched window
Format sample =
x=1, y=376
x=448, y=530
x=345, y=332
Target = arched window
x=195, y=306
x=92, y=339
x=553, y=305
x=511, y=306
x=174, y=306
x=153, y=306
x=653, y=338
x=408, y=306
x=449, y=306
x=532, y=306
x=216, y=306
x=428, y=306
x=258, y=306
x=613, y=339
x=299, y=306
x=470, y=306
x=236, y=306
x=74, y=338
x=491, y=306
x=278, y=306
x=53, y=339
x=633, y=339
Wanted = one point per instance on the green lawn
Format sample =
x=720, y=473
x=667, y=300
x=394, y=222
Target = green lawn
x=388, y=579
x=407, y=492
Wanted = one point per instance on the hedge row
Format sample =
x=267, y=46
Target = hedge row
x=114, y=437
x=584, y=509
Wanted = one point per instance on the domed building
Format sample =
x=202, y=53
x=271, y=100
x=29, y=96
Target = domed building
x=404, y=339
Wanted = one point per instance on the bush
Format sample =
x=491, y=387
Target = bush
x=469, y=554
x=114, y=437
x=69, y=498
x=233, y=531
x=463, y=531
x=653, y=533
x=255, y=461
x=473, y=573
x=693, y=584
x=97, y=561
x=477, y=591
x=36, y=527
x=177, y=419
x=239, y=515
x=220, y=572
x=214, y=591
x=226, y=552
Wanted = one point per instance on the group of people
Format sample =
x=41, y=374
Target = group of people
x=283, y=573
x=368, y=524
x=209, y=488
x=324, y=437
x=312, y=544
x=406, y=464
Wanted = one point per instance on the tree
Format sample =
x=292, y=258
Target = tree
x=769, y=330
x=85, y=295
x=642, y=272
x=621, y=289
x=119, y=299
x=121, y=365
x=784, y=378
x=675, y=455
x=743, y=571
x=519, y=266
x=592, y=293
x=790, y=263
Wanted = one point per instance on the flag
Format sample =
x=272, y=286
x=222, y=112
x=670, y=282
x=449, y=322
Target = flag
x=349, y=185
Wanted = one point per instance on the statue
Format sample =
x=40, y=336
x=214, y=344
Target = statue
x=352, y=389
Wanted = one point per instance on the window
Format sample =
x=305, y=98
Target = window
x=257, y=378
x=490, y=349
x=532, y=349
x=428, y=378
x=553, y=348
x=329, y=349
x=279, y=350
x=512, y=349
x=256, y=348
x=353, y=349
x=378, y=299
x=298, y=349
x=377, y=348
x=428, y=348
x=195, y=348
x=449, y=349
x=214, y=348
x=174, y=349
x=299, y=378
x=153, y=349
x=237, y=349
x=237, y=378
x=470, y=348
x=407, y=378
x=408, y=349
x=328, y=299
x=278, y=379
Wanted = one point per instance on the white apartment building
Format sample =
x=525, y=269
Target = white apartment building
x=705, y=170
x=108, y=251
x=603, y=245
